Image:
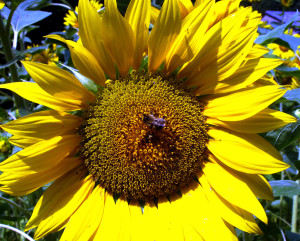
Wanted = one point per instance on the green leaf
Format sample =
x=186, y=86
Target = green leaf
x=86, y=82
x=9, y=63
x=284, y=136
x=23, y=18
x=35, y=50
x=288, y=41
x=292, y=236
x=289, y=71
x=285, y=188
x=293, y=95
x=275, y=33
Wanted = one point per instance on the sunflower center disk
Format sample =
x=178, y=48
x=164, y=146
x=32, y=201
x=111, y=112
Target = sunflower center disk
x=145, y=137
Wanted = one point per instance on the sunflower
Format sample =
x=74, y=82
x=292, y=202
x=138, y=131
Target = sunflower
x=287, y=3
x=47, y=56
x=2, y=4
x=71, y=17
x=167, y=147
x=290, y=59
x=283, y=52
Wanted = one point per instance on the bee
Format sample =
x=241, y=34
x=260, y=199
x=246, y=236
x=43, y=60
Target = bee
x=154, y=122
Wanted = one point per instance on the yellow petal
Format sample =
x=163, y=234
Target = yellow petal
x=232, y=189
x=138, y=226
x=59, y=202
x=91, y=35
x=245, y=75
x=257, y=51
x=83, y=60
x=220, y=35
x=154, y=14
x=117, y=37
x=23, y=142
x=264, y=121
x=167, y=225
x=43, y=124
x=187, y=43
x=164, y=32
x=34, y=93
x=40, y=156
x=198, y=2
x=58, y=82
x=138, y=16
x=203, y=220
x=92, y=212
x=121, y=224
x=234, y=215
x=20, y=184
x=222, y=9
x=186, y=6
x=247, y=153
x=226, y=62
x=2, y=4
x=259, y=185
x=241, y=104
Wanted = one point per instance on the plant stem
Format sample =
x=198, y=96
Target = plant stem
x=8, y=55
x=295, y=204
x=17, y=231
x=15, y=205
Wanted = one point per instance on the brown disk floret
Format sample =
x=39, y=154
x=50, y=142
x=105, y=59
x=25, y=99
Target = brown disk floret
x=145, y=136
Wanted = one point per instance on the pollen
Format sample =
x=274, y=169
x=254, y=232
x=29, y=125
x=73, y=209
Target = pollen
x=144, y=137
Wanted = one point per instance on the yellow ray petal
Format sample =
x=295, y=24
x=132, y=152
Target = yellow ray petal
x=40, y=156
x=187, y=43
x=112, y=210
x=165, y=30
x=247, y=153
x=229, y=212
x=159, y=222
x=226, y=62
x=138, y=227
x=264, y=121
x=257, y=51
x=83, y=60
x=232, y=189
x=154, y=15
x=198, y=2
x=91, y=35
x=58, y=82
x=186, y=6
x=245, y=75
x=222, y=35
x=23, y=142
x=241, y=104
x=20, y=185
x=203, y=220
x=190, y=233
x=43, y=124
x=59, y=202
x=34, y=93
x=92, y=212
x=257, y=183
x=118, y=37
x=222, y=9
x=138, y=16
x=167, y=226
